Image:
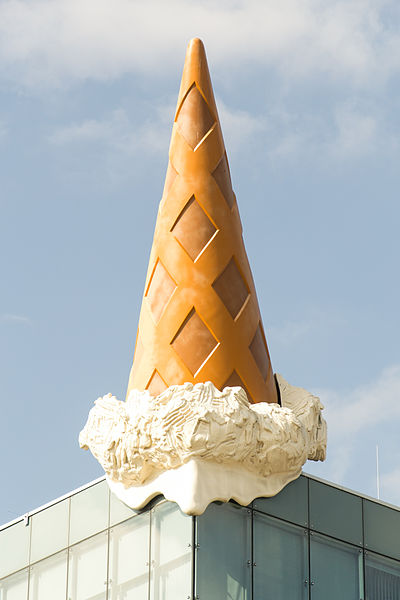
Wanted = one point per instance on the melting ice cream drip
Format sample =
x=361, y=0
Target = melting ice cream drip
x=145, y=437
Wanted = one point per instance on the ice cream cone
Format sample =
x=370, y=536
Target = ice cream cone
x=200, y=320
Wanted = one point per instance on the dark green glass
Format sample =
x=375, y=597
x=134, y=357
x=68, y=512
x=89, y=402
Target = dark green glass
x=224, y=553
x=290, y=504
x=382, y=578
x=335, y=512
x=382, y=529
x=335, y=570
x=281, y=560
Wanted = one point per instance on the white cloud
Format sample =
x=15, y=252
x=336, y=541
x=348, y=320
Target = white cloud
x=12, y=318
x=346, y=133
x=90, y=130
x=238, y=125
x=358, y=420
x=118, y=133
x=390, y=484
x=292, y=134
x=56, y=42
x=289, y=332
x=342, y=131
x=348, y=44
x=315, y=322
x=356, y=131
x=367, y=406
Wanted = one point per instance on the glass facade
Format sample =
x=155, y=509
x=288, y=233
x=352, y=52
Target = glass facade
x=91, y=546
x=313, y=541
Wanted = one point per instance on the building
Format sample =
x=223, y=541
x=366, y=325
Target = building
x=313, y=541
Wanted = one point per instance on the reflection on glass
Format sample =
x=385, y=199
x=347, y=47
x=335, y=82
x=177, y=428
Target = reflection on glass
x=119, y=511
x=14, y=548
x=89, y=512
x=171, y=533
x=224, y=553
x=336, y=570
x=129, y=559
x=48, y=578
x=15, y=587
x=281, y=560
x=382, y=578
x=49, y=530
x=87, y=571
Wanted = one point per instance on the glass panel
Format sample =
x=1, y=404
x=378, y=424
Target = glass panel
x=89, y=512
x=382, y=529
x=224, y=553
x=49, y=530
x=129, y=559
x=382, y=578
x=290, y=504
x=171, y=536
x=48, y=578
x=119, y=511
x=14, y=548
x=87, y=572
x=336, y=570
x=15, y=587
x=281, y=560
x=335, y=512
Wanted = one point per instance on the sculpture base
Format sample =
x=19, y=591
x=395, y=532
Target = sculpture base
x=198, y=482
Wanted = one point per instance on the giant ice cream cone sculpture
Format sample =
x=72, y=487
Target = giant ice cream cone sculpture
x=200, y=320
x=201, y=421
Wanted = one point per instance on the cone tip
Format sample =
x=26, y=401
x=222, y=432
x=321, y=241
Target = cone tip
x=195, y=43
x=195, y=48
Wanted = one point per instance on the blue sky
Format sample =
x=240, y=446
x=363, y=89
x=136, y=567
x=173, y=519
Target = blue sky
x=308, y=96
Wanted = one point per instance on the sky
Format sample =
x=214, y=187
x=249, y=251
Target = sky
x=308, y=93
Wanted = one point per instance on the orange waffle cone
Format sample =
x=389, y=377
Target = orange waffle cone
x=200, y=319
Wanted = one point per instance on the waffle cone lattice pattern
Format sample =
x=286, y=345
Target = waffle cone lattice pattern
x=200, y=319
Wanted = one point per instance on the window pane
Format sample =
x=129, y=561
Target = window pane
x=15, y=587
x=14, y=548
x=87, y=572
x=382, y=578
x=223, y=535
x=281, y=557
x=48, y=578
x=119, y=511
x=89, y=512
x=336, y=570
x=49, y=530
x=336, y=513
x=171, y=536
x=382, y=529
x=129, y=559
x=290, y=504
